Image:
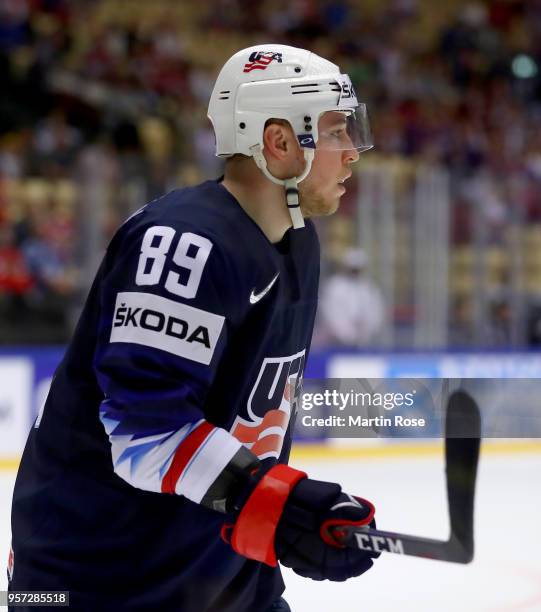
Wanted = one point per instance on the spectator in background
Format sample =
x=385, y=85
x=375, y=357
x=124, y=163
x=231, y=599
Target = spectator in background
x=115, y=99
x=47, y=251
x=351, y=307
x=55, y=145
x=15, y=284
x=15, y=279
x=47, y=256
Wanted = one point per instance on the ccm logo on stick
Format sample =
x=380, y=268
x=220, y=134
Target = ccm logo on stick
x=379, y=543
x=155, y=321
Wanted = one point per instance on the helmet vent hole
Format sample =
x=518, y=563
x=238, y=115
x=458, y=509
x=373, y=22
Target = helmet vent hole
x=297, y=69
x=242, y=125
x=308, y=127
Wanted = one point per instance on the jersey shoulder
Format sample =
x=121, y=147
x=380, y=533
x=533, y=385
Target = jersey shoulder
x=207, y=210
x=195, y=245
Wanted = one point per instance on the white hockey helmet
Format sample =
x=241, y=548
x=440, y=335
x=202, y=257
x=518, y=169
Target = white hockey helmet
x=271, y=81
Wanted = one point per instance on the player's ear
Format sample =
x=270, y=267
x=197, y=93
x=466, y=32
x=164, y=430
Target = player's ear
x=278, y=139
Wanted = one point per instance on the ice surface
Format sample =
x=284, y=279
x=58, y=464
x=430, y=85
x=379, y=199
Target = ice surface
x=409, y=496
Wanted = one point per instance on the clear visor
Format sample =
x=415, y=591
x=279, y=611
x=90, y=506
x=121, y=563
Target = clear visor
x=344, y=130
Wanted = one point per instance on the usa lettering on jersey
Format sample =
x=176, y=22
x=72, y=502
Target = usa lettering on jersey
x=271, y=404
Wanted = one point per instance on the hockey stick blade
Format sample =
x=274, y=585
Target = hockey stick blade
x=462, y=440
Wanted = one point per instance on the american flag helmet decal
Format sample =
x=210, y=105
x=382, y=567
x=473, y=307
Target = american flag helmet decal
x=259, y=60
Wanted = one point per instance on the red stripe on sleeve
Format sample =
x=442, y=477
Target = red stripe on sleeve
x=185, y=451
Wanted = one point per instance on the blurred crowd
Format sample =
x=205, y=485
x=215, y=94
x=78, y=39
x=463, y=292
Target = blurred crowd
x=103, y=107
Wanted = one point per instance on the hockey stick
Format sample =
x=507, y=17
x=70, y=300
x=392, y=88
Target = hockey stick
x=461, y=457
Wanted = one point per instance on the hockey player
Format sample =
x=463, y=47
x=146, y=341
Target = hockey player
x=156, y=476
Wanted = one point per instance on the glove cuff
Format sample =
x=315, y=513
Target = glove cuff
x=254, y=531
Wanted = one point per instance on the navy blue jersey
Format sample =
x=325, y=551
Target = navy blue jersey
x=192, y=342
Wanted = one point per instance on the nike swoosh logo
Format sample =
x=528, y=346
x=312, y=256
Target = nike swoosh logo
x=255, y=297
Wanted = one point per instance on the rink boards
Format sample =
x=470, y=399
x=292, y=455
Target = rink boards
x=25, y=377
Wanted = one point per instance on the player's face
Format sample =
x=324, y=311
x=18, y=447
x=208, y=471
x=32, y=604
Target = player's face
x=322, y=189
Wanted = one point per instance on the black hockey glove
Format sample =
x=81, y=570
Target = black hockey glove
x=303, y=540
x=288, y=517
